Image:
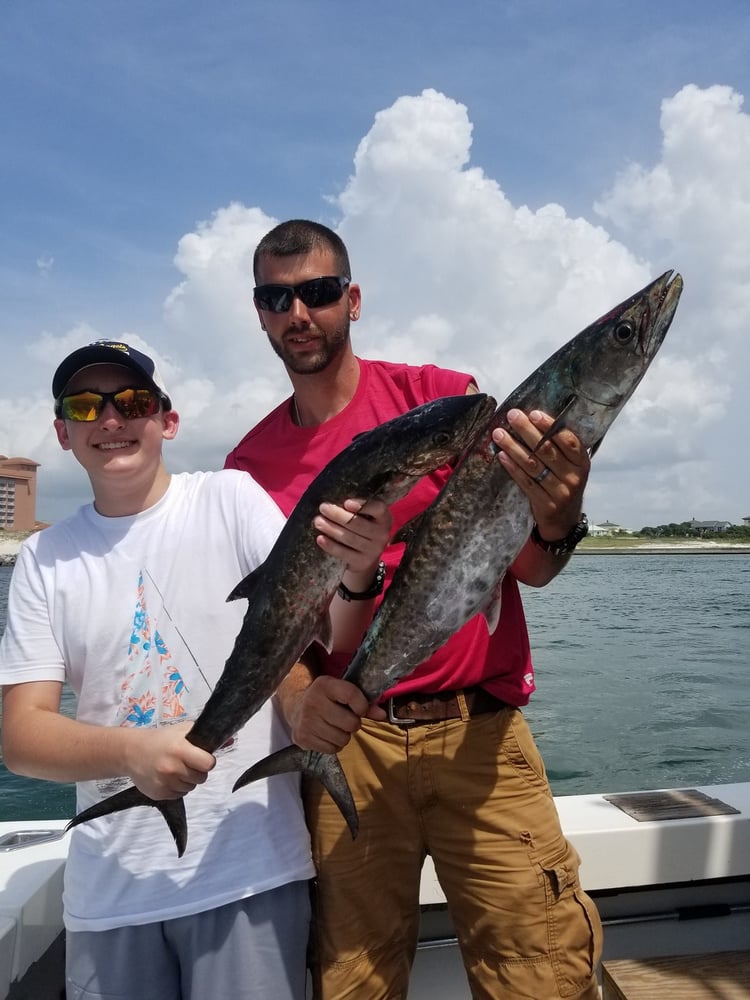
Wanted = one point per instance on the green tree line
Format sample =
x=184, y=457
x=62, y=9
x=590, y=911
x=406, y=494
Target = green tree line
x=738, y=532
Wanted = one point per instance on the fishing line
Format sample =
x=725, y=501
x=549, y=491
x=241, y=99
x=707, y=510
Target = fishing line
x=179, y=633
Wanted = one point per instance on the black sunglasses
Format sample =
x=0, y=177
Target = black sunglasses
x=88, y=404
x=313, y=293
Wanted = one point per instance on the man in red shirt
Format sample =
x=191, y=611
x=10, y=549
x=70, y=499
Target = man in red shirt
x=466, y=783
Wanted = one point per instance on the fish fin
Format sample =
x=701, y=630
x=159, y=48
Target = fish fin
x=595, y=447
x=291, y=758
x=330, y=773
x=246, y=587
x=558, y=425
x=407, y=531
x=326, y=767
x=494, y=606
x=173, y=811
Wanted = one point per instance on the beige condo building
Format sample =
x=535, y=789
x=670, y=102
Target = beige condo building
x=17, y=493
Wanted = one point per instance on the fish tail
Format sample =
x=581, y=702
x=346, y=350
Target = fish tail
x=173, y=811
x=323, y=766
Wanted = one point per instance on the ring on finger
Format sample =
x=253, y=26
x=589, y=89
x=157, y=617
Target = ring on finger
x=542, y=475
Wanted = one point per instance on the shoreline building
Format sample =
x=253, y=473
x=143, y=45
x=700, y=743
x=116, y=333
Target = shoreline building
x=17, y=493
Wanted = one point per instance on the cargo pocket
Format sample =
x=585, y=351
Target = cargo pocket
x=520, y=750
x=573, y=924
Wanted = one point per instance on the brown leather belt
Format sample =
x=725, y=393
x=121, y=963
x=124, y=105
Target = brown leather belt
x=415, y=707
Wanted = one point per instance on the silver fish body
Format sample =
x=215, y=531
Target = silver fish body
x=290, y=593
x=458, y=551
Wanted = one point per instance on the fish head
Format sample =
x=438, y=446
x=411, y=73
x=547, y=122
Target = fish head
x=611, y=357
x=586, y=383
x=422, y=439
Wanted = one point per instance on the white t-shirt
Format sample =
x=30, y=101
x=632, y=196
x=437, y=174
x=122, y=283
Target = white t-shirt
x=132, y=612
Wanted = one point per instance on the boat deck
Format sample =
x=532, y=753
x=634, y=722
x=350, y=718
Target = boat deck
x=664, y=886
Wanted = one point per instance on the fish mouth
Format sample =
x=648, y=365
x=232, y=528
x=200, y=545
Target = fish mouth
x=652, y=309
x=663, y=296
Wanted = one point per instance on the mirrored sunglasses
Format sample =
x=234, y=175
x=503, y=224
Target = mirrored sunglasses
x=313, y=293
x=87, y=405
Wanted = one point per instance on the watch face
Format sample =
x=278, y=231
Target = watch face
x=581, y=529
x=568, y=544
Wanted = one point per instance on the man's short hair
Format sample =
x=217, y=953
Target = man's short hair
x=301, y=236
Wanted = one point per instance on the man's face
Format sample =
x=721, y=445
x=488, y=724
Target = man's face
x=307, y=339
x=112, y=444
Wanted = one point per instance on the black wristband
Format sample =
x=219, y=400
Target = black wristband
x=375, y=588
x=564, y=546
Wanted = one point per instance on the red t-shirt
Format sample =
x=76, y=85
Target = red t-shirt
x=285, y=458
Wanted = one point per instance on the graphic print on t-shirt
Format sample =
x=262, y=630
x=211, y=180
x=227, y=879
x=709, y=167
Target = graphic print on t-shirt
x=154, y=691
x=162, y=682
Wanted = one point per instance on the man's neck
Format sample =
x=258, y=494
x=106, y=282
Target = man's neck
x=319, y=397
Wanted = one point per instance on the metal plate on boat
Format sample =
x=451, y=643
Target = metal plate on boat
x=674, y=803
x=28, y=838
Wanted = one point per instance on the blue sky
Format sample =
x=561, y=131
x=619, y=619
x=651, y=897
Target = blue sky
x=551, y=156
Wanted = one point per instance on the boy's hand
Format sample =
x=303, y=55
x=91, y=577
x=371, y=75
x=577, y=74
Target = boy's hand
x=163, y=764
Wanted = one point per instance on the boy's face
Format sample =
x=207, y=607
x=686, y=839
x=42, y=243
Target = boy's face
x=112, y=445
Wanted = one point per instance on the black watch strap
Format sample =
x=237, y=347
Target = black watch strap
x=375, y=588
x=564, y=546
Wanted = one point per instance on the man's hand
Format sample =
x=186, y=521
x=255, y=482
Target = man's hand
x=326, y=713
x=553, y=474
x=355, y=533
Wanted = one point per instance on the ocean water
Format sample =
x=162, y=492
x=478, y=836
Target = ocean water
x=643, y=678
x=27, y=798
x=643, y=671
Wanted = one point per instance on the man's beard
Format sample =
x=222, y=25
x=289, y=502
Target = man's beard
x=310, y=362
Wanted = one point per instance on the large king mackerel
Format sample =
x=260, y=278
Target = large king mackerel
x=459, y=549
x=290, y=593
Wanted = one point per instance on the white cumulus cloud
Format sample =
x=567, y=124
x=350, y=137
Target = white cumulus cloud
x=453, y=273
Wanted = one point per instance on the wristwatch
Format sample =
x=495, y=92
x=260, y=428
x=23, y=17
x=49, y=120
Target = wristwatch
x=564, y=546
x=375, y=588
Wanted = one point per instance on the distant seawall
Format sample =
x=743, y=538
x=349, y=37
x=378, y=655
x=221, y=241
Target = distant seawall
x=666, y=549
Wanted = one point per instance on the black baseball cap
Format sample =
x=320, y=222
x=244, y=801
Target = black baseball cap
x=109, y=352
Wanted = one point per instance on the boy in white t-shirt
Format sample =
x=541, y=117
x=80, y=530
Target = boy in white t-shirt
x=125, y=601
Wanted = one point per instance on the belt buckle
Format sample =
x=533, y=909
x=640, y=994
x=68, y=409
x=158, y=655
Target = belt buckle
x=392, y=717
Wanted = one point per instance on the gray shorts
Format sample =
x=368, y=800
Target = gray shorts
x=254, y=949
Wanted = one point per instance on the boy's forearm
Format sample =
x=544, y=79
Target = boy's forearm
x=45, y=744
x=39, y=742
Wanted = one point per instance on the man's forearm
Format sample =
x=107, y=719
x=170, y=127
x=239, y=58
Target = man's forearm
x=294, y=685
x=535, y=567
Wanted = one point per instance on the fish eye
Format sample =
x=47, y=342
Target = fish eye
x=623, y=332
x=442, y=439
